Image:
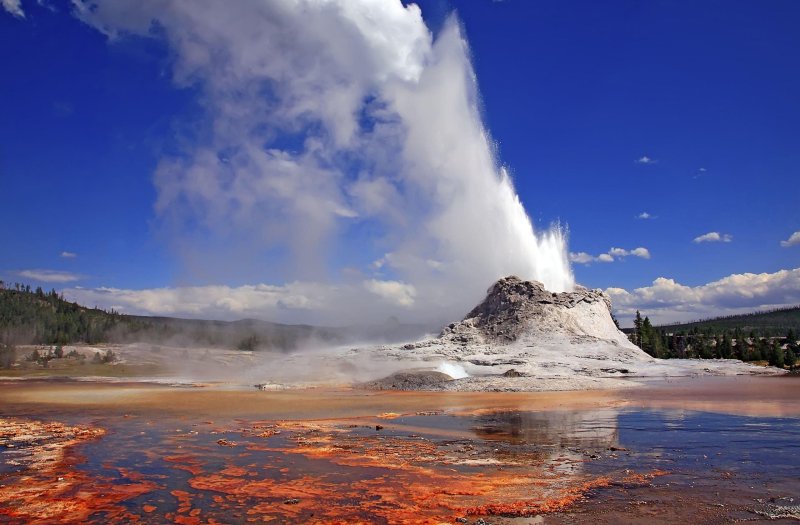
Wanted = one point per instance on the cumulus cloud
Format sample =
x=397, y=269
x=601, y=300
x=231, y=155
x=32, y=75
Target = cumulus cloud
x=394, y=291
x=223, y=302
x=581, y=257
x=713, y=237
x=68, y=255
x=315, y=302
x=793, y=240
x=667, y=300
x=613, y=254
x=645, y=215
x=50, y=276
x=644, y=159
x=332, y=132
x=14, y=7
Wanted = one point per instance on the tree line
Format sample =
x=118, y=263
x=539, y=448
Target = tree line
x=723, y=343
x=766, y=323
x=33, y=316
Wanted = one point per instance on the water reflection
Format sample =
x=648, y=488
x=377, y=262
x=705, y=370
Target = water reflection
x=416, y=467
x=587, y=429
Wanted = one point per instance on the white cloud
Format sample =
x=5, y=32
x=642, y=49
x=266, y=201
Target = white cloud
x=396, y=292
x=702, y=170
x=388, y=150
x=793, y=240
x=666, y=300
x=68, y=255
x=645, y=215
x=356, y=302
x=50, y=276
x=14, y=7
x=223, y=302
x=644, y=159
x=613, y=254
x=713, y=237
x=581, y=257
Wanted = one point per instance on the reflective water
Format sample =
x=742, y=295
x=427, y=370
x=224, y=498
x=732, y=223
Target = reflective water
x=605, y=465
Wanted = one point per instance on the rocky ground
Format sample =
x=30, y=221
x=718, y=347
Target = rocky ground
x=524, y=338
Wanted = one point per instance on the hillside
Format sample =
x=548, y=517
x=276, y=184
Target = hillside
x=35, y=317
x=769, y=323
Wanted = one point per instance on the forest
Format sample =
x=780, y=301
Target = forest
x=751, y=338
x=33, y=316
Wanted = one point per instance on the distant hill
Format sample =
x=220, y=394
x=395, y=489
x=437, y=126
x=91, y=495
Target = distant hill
x=768, y=323
x=36, y=317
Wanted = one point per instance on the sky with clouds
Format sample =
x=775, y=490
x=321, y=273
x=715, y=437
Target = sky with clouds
x=338, y=162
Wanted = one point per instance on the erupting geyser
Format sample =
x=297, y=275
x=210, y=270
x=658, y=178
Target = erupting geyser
x=387, y=158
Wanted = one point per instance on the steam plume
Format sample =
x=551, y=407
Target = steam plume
x=343, y=139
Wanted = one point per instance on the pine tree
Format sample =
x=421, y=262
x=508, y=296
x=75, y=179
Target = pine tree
x=649, y=338
x=742, y=350
x=775, y=355
x=725, y=349
x=637, y=329
x=790, y=358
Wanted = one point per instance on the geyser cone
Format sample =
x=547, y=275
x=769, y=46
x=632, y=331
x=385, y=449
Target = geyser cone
x=515, y=309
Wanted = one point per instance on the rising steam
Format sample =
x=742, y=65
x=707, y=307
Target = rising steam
x=343, y=140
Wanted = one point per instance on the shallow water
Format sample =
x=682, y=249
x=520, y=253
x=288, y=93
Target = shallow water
x=616, y=463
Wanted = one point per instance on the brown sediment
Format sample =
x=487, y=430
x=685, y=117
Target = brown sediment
x=291, y=404
x=394, y=479
x=185, y=462
x=48, y=489
x=568, y=497
x=741, y=395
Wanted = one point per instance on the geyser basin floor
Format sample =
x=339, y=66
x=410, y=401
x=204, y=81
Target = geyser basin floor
x=128, y=453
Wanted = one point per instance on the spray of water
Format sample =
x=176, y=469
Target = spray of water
x=453, y=370
x=343, y=140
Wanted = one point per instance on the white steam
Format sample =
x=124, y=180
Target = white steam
x=453, y=370
x=342, y=139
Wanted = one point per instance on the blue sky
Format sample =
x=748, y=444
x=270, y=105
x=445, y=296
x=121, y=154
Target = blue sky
x=684, y=111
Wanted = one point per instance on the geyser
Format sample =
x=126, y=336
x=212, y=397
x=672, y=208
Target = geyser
x=342, y=145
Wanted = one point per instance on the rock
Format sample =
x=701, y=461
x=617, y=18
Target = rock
x=291, y=501
x=421, y=380
x=512, y=373
x=514, y=307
